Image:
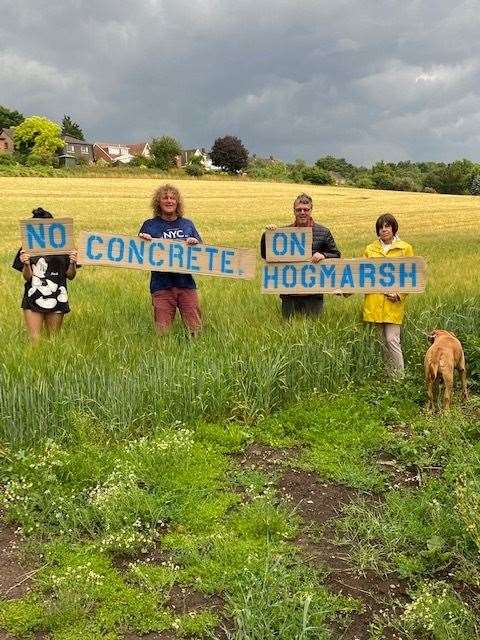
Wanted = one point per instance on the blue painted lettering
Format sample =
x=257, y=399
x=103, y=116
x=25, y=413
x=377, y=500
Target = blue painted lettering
x=136, y=251
x=327, y=271
x=192, y=257
x=270, y=277
x=347, y=277
x=175, y=253
x=89, y=251
x=387, y=273
x=36, y=236
x=54, y=230
x=152, y=246
x=226, y=262
x=289, y=282
x=298, y=244
x=279, y=243
x=211, y=252
x=404, y=274
x=308, y=282
x=366, y=272
x=119, y=242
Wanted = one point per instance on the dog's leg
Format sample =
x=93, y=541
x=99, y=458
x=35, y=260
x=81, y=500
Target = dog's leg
x=448, y=389
x=430, y=385
x=463, y=378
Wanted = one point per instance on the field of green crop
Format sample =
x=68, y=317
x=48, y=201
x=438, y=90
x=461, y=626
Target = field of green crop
x=108, y=364
x=260, y=482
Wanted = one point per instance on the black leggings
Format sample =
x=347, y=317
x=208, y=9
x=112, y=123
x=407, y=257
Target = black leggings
x=306, y=305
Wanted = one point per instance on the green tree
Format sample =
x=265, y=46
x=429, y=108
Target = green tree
x=475, y=185
x=315, y=175
x=454, y=178
x=9, y=118
x=164, y=152
x=39, y=139
x=71, y=128
x=229, y=154
x=338, y=165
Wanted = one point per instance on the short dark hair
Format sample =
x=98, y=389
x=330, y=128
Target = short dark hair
x=41, y=213
x=388, y=220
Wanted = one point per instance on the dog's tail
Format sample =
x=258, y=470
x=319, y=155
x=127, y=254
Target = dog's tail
x=433, y=369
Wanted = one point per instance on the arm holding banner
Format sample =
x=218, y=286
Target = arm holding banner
x=24, y=258
x=72, y=267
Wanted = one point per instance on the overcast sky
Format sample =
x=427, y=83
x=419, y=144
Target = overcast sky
x=362, y=79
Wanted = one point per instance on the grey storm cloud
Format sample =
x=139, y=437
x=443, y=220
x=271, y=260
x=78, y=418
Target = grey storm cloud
x=362, y=79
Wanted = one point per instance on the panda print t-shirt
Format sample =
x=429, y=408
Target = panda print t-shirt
x=46, y=292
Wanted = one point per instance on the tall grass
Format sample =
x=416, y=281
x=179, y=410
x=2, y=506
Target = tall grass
x=108, y=364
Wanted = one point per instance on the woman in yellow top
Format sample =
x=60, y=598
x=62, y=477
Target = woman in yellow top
x=386, y=311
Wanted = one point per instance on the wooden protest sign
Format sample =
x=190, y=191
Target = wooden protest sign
x=288, y=244
x=353, y=275
x=159, y=254
x=47, y=236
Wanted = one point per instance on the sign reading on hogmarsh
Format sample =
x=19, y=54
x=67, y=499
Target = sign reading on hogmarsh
x=353, y=275
x=47, y=236
x=288, y=244
x=132, y=252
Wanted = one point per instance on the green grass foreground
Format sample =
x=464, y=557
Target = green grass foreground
x=97, y=511
x=119, y=451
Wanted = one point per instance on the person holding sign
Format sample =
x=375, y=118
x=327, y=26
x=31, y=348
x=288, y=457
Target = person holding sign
x=386, y=310
x=323, y=247
x=172, y=291
x=45, y=298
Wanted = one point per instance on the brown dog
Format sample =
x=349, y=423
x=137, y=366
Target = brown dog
x=445, y=355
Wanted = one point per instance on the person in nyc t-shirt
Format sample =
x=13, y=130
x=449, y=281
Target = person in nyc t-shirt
x=172, y=291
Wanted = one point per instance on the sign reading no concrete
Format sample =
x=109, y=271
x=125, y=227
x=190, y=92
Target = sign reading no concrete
x=288, y=244
x=47, y=236
x=132, y=252
x=355, y=275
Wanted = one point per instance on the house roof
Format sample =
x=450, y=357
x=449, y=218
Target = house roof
x=8, y=131
x=100, y=152
x=72, y=140
x=137, y=148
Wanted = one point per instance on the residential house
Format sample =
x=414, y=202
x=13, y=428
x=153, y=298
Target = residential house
x=6, y=141
x=75, y=151
x=123, y=153
x=188, y=155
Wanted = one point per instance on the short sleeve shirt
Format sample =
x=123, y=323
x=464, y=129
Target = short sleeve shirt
x=179, y=229
x=46, y=292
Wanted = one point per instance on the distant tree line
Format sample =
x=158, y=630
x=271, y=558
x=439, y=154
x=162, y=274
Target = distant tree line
x=458, y=177
x=37, y=141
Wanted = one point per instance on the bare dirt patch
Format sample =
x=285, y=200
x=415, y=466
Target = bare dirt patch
x=267, y=459
x=186, y=600
x=15, y=574
x=319, y=503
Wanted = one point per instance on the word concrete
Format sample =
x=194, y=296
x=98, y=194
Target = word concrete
x=132, y=252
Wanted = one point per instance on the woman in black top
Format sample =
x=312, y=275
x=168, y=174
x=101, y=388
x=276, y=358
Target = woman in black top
x=45, y=298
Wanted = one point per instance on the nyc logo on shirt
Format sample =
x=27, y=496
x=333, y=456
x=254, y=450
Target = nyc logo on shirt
x=174, y=234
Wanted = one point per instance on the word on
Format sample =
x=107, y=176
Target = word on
x=46, y=237
x=354, y=275
x=288, y=244
x=132, y=252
